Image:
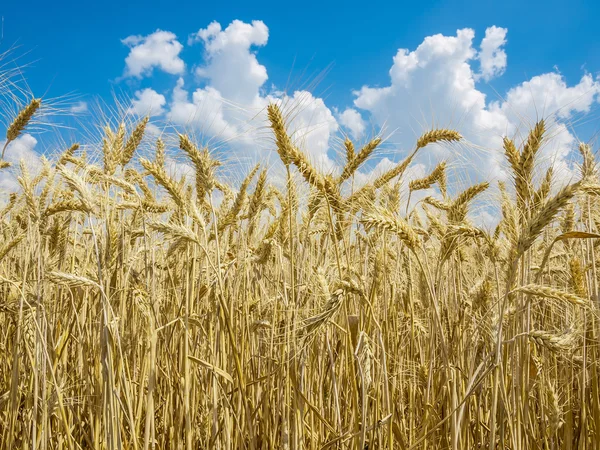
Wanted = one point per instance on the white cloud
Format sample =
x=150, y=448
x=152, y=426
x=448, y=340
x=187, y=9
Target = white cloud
x=205, y=111
x=353, y=121
x=230, y=65
x=160, y=49
x=492, y=56
x=79, y=107
x=21, y=148
x=549, y=93
x=435, y=85
x=147, y=102
x=232, y=105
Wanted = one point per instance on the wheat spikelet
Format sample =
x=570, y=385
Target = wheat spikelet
x=526, y=162
x=81, y=162
x=541, y=194
x=71, y=280
x=67, y=155
x=8, y=246
x=23, y=118
x=436, y=227
x=367, y=192
x=554, y=410
x=26, y=185
x=174, y=230
x=383, y=220
x=178, y=245
x=548, y=292
x=437, y=175
x=159, y=173
x=397, y=171
x=588, y=167
x=4, y=164
x=439, y=135
x=591, y=189
x=512, y=154
x=545, y=215
x=284, y=143
x=12, y=201
x=554, y=343
x=577, y=277
x=204, y=164
x=258, y=195
x=112, y=146
x=132, y=176
x=350, y=152
x=510, y=222
x=263, y=251
x=437, y=203
x=134, y=141
x=65, y=205
x=364, y=356
x=232, y=214
x=458, y=210
x=78, y=184
x=465, y=230
x=43, y=173
x=155, y=207
x=97, y=176
x=257, y=201
x=160, y=152
x=353, y=164
x=291, y=154
x=46, y=190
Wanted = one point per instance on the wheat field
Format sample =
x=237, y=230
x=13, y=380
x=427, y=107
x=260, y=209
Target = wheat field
x=143, y=311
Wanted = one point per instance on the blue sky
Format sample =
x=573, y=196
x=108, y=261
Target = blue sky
x=75, y=46
x=486, y=68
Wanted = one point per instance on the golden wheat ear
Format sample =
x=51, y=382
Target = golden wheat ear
x=134, y=141
x=353, y=164
x=20, y=122
x=438, y=135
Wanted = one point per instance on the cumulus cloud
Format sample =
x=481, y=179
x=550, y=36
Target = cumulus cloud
x=232, y=103
x=205, y=111
x=549, y=93
x=22, y=148
x=231, y=96
x=157, y=50
x=435, y=85
x=353, y=121
x=492, y=56
x=231, y=67
x=432, y=85
x=147, y=102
